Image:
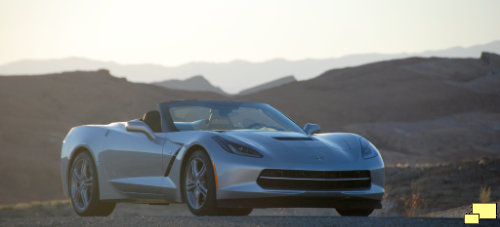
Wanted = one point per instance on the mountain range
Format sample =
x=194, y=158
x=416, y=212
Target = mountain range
x=233, y=76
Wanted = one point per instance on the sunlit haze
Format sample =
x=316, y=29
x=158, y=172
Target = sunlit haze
x=175, y=32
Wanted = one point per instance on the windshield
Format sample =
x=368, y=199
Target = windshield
x=223, y=116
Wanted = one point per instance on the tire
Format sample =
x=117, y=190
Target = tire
x=355, y=212
x=198, y=184
x=83, y=187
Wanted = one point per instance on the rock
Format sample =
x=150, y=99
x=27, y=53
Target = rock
x=490, y=58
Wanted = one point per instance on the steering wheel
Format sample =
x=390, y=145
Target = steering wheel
x=256, y=125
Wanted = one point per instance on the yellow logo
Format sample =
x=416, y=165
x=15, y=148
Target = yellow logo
x=481, y=211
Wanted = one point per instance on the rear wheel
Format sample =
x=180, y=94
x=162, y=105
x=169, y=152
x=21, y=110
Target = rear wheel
x=84, y=188
x=355, y=212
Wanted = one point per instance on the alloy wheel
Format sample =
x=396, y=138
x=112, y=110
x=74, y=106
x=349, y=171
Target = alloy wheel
x=82, y=184
x=196, y=183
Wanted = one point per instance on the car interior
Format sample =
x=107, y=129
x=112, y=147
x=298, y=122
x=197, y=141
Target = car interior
x=153, y=120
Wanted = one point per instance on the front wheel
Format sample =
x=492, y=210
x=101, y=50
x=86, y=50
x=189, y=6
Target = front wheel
x=84, y=188
x=198, y=184
x=354, y=212
x=199, y=189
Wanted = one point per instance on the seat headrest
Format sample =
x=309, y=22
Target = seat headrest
x=152, y=118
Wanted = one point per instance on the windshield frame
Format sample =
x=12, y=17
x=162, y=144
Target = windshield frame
x=169, y=126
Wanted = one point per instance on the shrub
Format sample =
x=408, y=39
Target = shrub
x=484, y=194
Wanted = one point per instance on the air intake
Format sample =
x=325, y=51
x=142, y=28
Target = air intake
x=314, y=180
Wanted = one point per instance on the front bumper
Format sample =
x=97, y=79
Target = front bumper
x=254, y=191
x=237, y=184
x=247, y=193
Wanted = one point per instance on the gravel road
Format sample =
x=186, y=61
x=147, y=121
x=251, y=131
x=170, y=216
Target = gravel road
x=241, y=221
x=60, y=213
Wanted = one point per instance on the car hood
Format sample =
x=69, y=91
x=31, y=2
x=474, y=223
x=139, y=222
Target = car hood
x=293, y=147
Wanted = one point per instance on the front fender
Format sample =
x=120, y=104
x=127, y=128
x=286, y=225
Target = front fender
x=189, y=141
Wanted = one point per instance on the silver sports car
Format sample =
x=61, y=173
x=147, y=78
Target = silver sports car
x=221, y=158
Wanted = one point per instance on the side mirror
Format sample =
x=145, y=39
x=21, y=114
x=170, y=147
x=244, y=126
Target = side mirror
x=311, y=128
x=139, y=126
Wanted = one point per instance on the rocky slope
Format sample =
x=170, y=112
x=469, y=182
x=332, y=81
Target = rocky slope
x=271, y=84
x=195, y=83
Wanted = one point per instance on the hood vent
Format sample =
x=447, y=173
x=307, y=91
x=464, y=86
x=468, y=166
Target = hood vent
x=293, y=138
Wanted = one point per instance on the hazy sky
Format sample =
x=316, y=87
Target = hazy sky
x=180, y=31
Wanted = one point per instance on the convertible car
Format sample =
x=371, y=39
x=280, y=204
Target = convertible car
x=220, y=158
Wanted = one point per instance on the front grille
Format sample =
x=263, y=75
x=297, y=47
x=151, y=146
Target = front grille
x=314, y=180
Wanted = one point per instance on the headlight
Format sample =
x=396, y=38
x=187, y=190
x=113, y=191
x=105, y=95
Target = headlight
x=235, y=148
x=368, y=150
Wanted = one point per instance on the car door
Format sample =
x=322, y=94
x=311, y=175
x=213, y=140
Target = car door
x=133, y=162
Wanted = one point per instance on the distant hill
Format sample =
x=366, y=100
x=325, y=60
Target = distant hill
x=228, y=75
x=195, y=83
x=268, y=85
x=464, y=52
